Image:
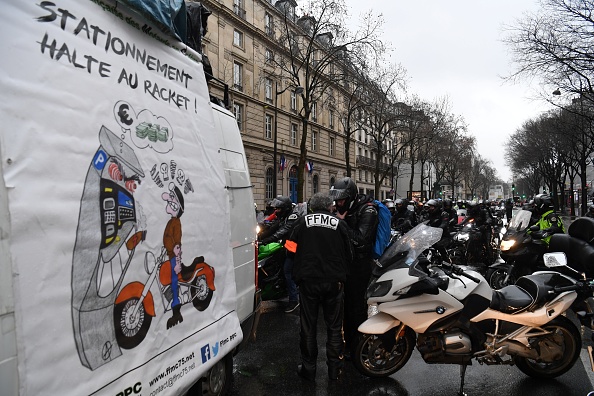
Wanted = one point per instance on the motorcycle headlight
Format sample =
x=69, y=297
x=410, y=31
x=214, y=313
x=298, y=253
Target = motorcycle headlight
x=372, y=309
x=379, y=289
x=506, y=245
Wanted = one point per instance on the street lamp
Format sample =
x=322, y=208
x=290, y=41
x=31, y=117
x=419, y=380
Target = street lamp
x=298, y=91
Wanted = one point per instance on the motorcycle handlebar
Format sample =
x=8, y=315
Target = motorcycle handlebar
x=459, y=271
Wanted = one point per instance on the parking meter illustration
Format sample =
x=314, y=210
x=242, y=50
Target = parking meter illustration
x=107, y=222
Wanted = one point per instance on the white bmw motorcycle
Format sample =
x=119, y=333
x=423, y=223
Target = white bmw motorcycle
x=453, y=316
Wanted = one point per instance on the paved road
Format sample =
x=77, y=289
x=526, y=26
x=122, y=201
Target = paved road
x=268, y=367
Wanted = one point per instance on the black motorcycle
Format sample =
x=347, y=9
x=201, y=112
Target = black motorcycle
x=521, y=252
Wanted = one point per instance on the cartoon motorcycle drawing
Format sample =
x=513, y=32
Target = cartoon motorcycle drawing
x=135, y=307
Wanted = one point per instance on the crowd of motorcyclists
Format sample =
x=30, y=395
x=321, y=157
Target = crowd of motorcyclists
x=307, y=228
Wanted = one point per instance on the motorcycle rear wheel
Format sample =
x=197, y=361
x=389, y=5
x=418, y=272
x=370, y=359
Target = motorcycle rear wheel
x=200, y=293
x=564, y=336
x=373, y=358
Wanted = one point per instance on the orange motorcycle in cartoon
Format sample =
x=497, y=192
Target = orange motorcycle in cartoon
x=135, y=308
x=178, y=284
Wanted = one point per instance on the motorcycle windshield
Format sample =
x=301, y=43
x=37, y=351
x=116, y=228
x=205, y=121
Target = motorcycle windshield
x=410, y=245
x=520, y=221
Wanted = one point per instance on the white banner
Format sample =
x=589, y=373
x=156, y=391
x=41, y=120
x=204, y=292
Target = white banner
x=110, y=168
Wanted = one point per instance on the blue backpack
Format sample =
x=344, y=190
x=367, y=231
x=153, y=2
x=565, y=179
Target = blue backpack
x=383, y=235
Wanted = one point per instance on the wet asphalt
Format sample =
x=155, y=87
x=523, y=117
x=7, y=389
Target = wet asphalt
x=267, y=366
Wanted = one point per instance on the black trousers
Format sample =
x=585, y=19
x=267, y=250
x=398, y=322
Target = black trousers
x=355, y=304
x=329, y=296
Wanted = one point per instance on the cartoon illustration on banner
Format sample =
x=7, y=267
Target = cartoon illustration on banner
x=108, y=315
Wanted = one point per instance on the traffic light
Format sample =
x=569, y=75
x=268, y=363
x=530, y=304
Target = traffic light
x=513, y=187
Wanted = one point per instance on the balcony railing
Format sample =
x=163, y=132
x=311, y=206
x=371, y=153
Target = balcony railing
x=370, y=163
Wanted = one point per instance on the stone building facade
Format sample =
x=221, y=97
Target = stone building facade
x=241, y=36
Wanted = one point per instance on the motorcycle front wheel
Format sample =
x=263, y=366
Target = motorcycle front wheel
x=379, y=356
x=500, y=276
x=130, y=329
x=563, y=345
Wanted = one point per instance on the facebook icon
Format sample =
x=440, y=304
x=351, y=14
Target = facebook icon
x=205, y=353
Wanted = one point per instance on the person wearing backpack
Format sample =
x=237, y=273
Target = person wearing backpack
x=361, y=215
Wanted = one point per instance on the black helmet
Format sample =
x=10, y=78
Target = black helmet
x=542, y=202
x=346, y=189
x=447, y=203
x=473, y=207
x=283, y=204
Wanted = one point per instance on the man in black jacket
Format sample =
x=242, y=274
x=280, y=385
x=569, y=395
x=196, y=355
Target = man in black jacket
x=361, y=216
x=323, y=255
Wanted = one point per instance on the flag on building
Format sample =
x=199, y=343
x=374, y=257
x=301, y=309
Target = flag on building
x=309, y=166
x=282, y=163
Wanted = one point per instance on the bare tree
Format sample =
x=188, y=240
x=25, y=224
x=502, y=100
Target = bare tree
x=318, y=52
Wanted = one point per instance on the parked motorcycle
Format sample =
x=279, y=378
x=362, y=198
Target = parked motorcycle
x=453, y=316
x=469, y=248
x=271, y=274
x=522, y=254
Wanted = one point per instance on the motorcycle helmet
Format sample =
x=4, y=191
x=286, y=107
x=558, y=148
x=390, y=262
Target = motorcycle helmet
x=447, y=204
x=473, y=208
x=390, y=205
x=344, y=189
x=400, y=205
x=542, y=203
x=432, y=205
x=282, y=205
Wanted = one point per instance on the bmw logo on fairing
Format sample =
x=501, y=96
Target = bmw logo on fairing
x=440, y=310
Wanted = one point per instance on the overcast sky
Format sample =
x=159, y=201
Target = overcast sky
x=453, y=48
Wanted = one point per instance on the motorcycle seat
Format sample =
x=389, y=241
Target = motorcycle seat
x=510, y=299
x=529, y=292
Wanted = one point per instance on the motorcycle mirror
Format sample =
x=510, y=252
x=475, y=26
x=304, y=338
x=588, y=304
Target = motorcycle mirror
x=534, y=228
x=556, y=259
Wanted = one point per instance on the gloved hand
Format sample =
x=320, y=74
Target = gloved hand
x=540, y=234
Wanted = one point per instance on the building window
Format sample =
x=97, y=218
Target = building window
x=268, y=89
x=269, y=181
x=332, y=181
x=268, y=128
x=331, y=143
x=293, y=101
x=314, y=141
x=268, y=56
x=315, y=184
x=293, y=134
x=238, y=38
x=238, y=76
x=238, y=112
x=314, y=111
x=331, y=118
x=238, y=8
x=268, y=25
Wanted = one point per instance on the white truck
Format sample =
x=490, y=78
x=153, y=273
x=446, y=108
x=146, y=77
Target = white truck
x=127, y=227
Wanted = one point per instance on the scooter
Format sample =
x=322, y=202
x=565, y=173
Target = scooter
x=135, y=307
x=453, y=316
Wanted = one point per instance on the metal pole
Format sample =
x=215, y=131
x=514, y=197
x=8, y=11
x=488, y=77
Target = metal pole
x=275, y=149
